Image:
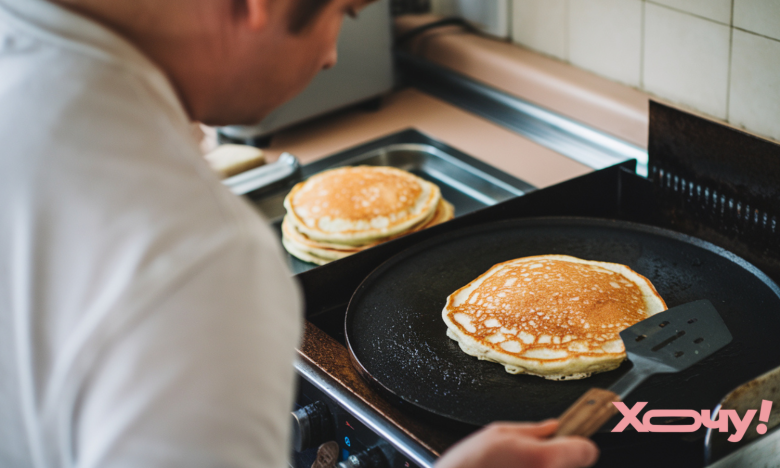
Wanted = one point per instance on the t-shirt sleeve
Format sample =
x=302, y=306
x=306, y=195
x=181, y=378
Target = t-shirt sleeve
x=205, y=377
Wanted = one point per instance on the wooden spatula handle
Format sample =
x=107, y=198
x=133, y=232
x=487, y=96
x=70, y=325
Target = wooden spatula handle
x=588, y=414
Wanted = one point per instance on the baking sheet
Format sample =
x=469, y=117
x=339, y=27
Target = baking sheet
x=467, y=183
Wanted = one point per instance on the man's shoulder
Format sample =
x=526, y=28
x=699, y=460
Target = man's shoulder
x=106, y=163
x=67, y=55
x=71, y=99
x=87, y=133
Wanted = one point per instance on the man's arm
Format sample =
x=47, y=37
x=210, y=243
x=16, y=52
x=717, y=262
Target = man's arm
x=520, y=445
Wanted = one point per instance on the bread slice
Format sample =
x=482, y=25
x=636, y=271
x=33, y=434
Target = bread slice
x=229, y=160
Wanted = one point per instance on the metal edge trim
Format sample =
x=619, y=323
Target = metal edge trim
x=422, y=147
x=264, y=176
x=573, y=139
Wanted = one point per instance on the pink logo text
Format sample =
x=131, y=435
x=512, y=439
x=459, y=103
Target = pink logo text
x=703, y=418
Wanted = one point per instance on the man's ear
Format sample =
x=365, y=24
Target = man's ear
x=257, y=13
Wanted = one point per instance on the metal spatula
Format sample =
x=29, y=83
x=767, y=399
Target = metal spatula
x=670, y=341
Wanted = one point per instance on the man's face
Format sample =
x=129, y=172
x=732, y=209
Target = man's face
x=276, y=64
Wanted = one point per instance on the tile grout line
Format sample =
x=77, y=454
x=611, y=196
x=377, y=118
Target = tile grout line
x=755, y=33
x=692, y=14
x=728, y=72
x=642, y=48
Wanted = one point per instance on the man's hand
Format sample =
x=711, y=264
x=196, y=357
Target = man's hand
x=520, y=445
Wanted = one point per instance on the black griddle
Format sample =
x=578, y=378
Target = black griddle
x=397, y=338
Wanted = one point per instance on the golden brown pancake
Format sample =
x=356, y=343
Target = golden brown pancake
x=299, y=245
x=443, y=212
x=358, y=205
x=553, y=316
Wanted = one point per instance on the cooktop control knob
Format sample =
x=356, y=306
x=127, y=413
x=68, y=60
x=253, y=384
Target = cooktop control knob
x=371, y=458
x=312, y=426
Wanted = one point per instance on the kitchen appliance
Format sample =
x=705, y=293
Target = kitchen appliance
x=397, y=339
x=708, y=181
x=364, y=71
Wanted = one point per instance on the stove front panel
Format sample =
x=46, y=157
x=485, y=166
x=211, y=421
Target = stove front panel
x=353, y=438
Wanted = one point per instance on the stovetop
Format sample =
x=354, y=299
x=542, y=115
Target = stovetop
x=602, y=194
x=710, y=200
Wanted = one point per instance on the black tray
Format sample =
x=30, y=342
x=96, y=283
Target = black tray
x=466, y=182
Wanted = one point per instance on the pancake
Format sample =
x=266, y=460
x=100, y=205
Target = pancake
x=301, y=254
x=320, y=253
x=444, y=212
x=289, y=230
x=358, y=205
x=553, y=316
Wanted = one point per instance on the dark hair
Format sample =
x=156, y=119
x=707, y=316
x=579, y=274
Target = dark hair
x=304, y=13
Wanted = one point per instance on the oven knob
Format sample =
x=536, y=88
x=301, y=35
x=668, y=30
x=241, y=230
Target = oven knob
x=312, y=426
x=371, y=458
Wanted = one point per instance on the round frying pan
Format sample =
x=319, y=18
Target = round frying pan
x=397, y=339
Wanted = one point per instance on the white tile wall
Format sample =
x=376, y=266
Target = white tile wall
x=720, y=57
x=758, y=16
x=755, y=84
x=541, y=25
x=716, y=10
x=605, y=36
x=686, y=59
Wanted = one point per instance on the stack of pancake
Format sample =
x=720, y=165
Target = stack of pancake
x=553, y=316
x=343, y=211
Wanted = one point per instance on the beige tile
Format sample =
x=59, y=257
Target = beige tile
x=716, y=10
x=540, y=25
x=754, y=98
x=605, y=37
x=758, y=16
x=686, y=59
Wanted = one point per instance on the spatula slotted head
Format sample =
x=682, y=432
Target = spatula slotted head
x=678, y=337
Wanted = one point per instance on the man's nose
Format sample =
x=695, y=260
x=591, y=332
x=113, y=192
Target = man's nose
x=331, y=59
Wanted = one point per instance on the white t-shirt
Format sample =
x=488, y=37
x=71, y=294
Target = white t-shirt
x=147, y=318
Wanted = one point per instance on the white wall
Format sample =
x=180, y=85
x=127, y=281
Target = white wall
x=720, y=57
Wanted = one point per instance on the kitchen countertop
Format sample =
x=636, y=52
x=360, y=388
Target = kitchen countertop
x=611, y=107
x=409, y=107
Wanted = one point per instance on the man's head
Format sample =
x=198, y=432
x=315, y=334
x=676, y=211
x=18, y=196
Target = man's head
x=231, y=61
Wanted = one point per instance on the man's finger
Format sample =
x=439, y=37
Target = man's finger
x=540, y=430
x=572, y=451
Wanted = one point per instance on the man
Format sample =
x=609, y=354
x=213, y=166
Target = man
x=146, y=316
